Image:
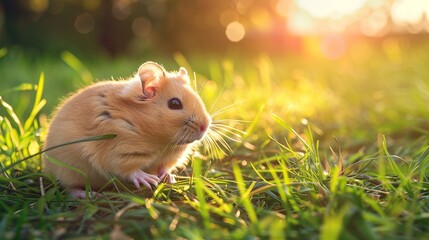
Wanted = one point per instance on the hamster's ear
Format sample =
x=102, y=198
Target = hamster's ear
x=184, y=74
x=150, y=74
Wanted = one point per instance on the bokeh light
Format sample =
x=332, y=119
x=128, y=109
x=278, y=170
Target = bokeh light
x=333, y=46
x=235, y=32
x=121, y=9
x=91, y=5
x=260, y=19
x=141, y=27
x=283, y=7
x=84, y=23
x=38, y=6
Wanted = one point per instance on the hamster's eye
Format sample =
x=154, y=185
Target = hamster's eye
x=175, y=104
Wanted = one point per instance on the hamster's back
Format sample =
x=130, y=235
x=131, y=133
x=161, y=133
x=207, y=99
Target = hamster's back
x=75, y=116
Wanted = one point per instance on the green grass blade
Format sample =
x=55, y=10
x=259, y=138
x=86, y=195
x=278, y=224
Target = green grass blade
x=78, y=66
x=94, y=138
x=258, y=173
x=199, y=189
x=181, y=60
x=20, y=88
x=251, y=128
x=3, y=52
x=40, y=87
x=68, y=166
x=278, y=183
x=247, y=204
x=36, y=109
x=39, y=103
x=289, y=128
x=332, y=225
x=421, y=165
x=392, y=162
x=12, y=114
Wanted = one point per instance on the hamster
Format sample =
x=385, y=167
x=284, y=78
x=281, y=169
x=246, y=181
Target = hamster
x=156, y=117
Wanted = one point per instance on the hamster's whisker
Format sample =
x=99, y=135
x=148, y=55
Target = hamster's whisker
x=210, y=147
x=170, y=145
x=229, y=121
x=225, y=124
x=229, y=137
x=215, y=140
x=216, y=150
x=231, y=130
x=217, y=97
x=207, y=147
x=225, y=133
x=181, y=136
x=218, y=139
x=226, y=108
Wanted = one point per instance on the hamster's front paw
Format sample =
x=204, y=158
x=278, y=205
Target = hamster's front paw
x=169, y=178
x=140, y=177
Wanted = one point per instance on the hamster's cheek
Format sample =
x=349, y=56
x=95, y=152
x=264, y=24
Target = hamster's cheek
x=174, y=119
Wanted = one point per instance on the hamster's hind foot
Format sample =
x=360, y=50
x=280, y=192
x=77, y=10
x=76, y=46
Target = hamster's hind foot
x=140, y=177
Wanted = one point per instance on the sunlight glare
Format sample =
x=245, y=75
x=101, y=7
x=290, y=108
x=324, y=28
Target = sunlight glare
x=410, y=14
x=375, y=24
x=373, y=18
x=407, y=12
x=330, y=8
x=300, y=23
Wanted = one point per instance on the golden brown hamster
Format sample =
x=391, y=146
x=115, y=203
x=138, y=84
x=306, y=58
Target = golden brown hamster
x=156, y=115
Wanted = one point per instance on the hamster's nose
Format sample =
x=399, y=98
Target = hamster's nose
x=203, y=128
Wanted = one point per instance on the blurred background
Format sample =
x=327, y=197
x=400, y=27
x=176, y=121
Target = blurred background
x=114, y=28
x=344, y=66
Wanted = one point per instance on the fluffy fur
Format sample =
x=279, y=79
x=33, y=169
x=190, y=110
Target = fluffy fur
x=152, y=139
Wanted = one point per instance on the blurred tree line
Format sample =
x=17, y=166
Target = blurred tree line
x=127, y=27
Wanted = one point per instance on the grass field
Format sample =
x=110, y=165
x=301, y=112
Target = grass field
x=329, y=149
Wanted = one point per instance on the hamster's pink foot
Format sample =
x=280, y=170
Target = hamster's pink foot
x=140, y=177
x=81, y=194
x=169, y=178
